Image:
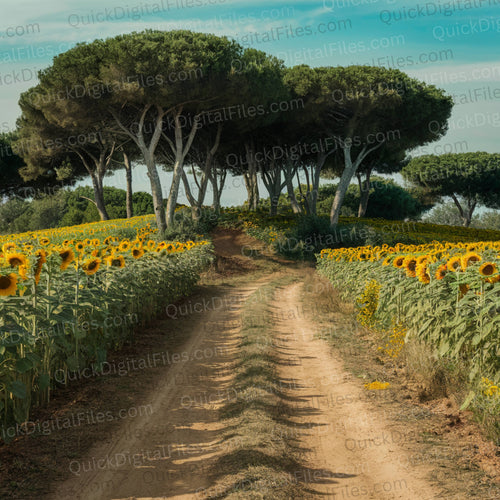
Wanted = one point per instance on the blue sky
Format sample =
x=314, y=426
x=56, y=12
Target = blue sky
x=453, y=44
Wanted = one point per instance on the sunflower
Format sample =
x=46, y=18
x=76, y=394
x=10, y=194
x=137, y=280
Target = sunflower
x=67, y=255
x=422, y=273
x=387, y=261
x=463, y=288
x=8, y=247
x=95, y=253
x=454, y=263
x=169, y=247
x=362, y=255
x=41, y=259
x=115, y=261
x=441, y=271
x=410, y=264
x=28, y=248
x=80, y=246
x=95, y=242
x=468, y=258
x=16, y=259
x=488, y=268
x=23, y=272
x=44, y=241
x=493, y=279
x=124, y=246
x=398, y=261
x=8, y=284
x=91, y=266
x=151, y=244
x=137, y=253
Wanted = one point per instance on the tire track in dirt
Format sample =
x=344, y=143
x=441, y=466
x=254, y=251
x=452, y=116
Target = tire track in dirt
x=169, y=454
x=339, y=434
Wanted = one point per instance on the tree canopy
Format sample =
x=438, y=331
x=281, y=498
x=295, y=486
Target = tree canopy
x=468, y=178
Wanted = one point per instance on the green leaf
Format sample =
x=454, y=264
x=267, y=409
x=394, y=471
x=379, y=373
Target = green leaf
x=17, y=388
x=23, y=365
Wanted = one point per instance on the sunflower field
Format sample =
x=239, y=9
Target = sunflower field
x=446, y=294
x=69, y=295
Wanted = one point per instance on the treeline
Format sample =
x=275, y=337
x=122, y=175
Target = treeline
x=67, y=207
x=180, y=100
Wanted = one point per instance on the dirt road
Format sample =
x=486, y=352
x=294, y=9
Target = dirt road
x=353, y=447
x=345, y=446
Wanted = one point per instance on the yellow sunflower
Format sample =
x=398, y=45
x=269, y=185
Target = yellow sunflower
x=16, y=259
x=398, y=261
x=80, y=246
x=68, y=256
x=137, y=253
x=410, y=264
x=91, y=266
x=441, y=271
x=8, y=284
x=124, y=246
x=115, y=261
x=488, y=268
x=454, y=263
x=468, y=258
x=44, y=241
x=422, y=273
x=23, y=272
x=8, y=247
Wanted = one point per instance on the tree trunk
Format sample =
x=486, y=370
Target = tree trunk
x=251, y=181
x=174, y=191
x=99, y=197
x=289, y=172
x=274, y=186
x=465, y=215
x=148, y=153
x=156, y=192
x=180, y=150
x=350, y=168
x=217, y=187
x=128, y=174
x=364, y=193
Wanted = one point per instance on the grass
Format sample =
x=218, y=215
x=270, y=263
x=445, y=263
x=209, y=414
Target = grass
x=260, y=458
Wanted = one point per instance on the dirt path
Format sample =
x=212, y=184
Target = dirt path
x=343, y=437
x=168, y=453
x=347, y=447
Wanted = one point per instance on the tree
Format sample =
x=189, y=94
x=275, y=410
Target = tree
x=260, y=91
x=388, y=200
x=10, y=163
x=311, y=140
x=50, y=132
x=179, y=76
x=473, y=177
x=363, y=108
x=446, y=214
